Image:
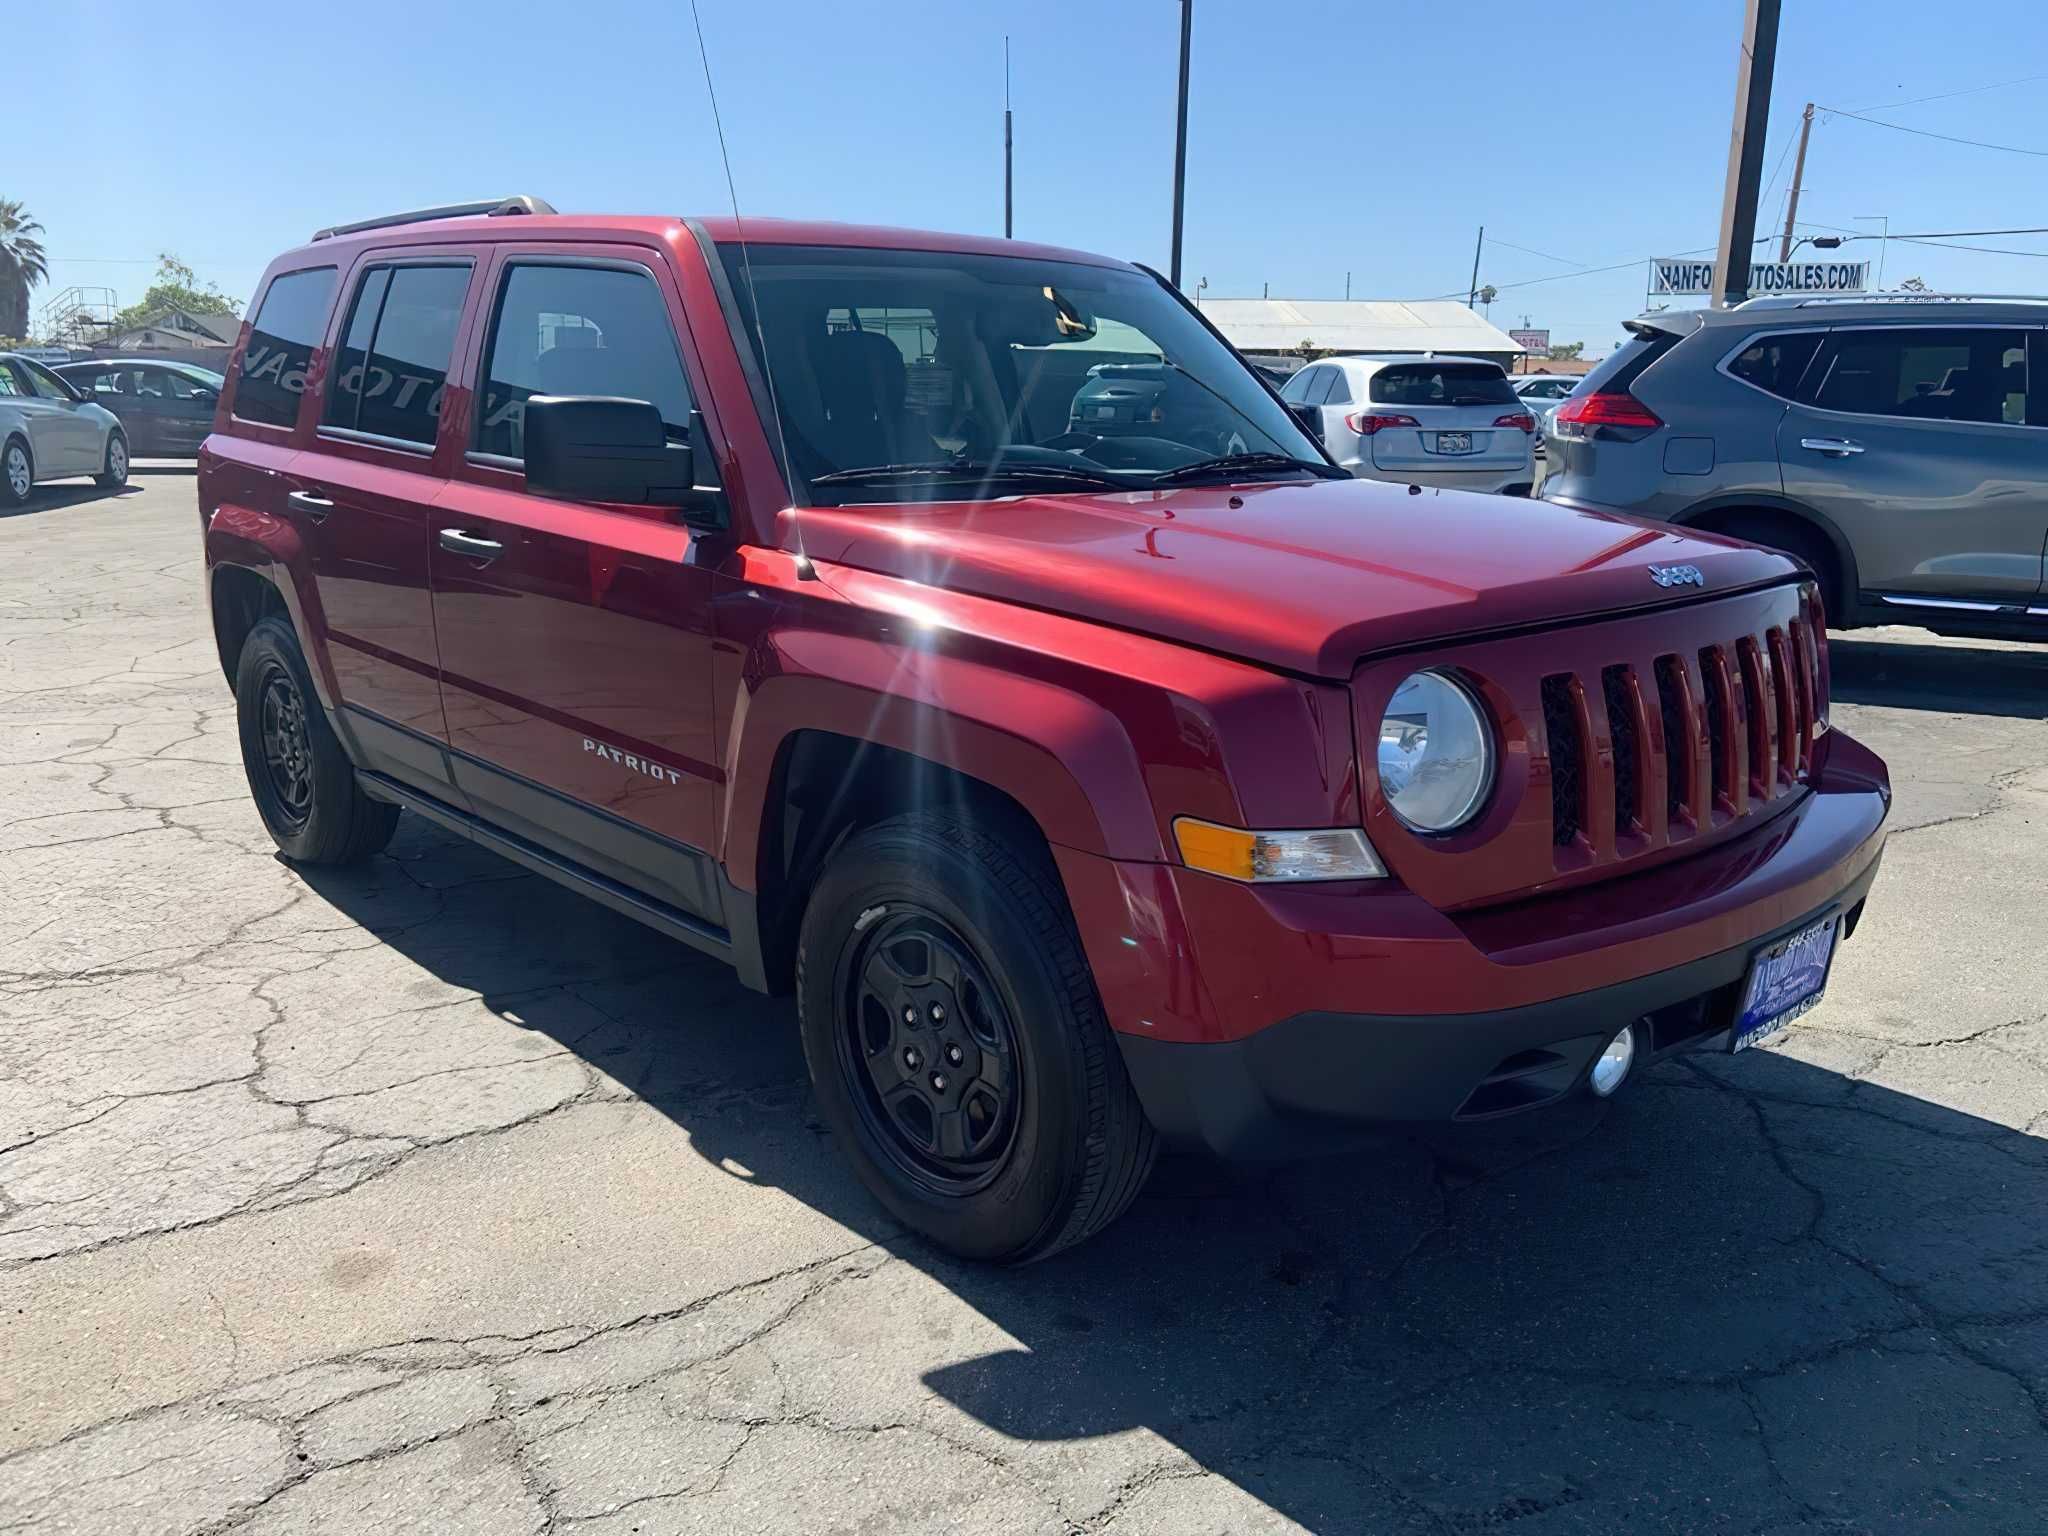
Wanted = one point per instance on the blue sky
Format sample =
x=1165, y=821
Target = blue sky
x=1372, y=136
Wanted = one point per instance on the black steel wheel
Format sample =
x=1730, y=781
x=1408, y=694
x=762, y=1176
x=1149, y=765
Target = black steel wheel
x=301, y=779
x=955, y=1039
x=927, y=1039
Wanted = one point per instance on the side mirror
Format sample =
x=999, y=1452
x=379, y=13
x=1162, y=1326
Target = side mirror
x=1310, y=417
x=600, y=448
x=205, y=396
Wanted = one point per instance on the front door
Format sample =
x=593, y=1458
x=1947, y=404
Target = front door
x=575, y=639
x=62, y=441
x=179, y=408
x=1914, y=441
x=364, y=493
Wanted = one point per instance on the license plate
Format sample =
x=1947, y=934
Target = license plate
x=1784, y=981
x=1454, y=442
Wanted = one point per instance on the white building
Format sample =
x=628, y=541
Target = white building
x=1274, y=330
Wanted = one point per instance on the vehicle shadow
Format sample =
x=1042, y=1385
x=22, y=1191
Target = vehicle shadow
x=50, y=498
x=1951, y=679
x=1748, y=1294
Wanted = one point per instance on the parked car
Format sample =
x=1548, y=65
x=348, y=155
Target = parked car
x=49, y=432
x=1543, y=393
x=1898, y=446
x=1453, y=422
x=1087, y=791
x=165, y=408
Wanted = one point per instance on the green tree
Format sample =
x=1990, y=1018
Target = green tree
x=1565, y=351
x=176, y=287
x=23, y=264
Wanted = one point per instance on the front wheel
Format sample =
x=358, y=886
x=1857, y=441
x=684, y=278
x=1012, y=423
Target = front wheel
x=302, y=781
x=957, y=1045
x=17, y=473
x=114, y=468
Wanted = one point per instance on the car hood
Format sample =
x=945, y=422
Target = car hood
x=1306, y=576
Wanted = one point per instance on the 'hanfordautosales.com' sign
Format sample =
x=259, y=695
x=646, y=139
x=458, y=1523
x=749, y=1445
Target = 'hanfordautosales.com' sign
x=1697, y=277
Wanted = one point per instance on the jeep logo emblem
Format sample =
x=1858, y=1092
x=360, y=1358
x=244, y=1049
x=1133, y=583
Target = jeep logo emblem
x=1677, y=576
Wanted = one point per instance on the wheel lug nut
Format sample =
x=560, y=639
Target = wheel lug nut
x=909, y=1015
x=938, y=1014
x=954, y=1055
x=911, y=1059
x=938, y=1082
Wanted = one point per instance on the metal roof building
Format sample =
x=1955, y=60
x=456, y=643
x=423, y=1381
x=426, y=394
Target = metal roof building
x=1275, y=327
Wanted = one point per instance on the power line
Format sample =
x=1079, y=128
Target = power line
x=1893, y=106
x=1946, y=138
x=1566, y=261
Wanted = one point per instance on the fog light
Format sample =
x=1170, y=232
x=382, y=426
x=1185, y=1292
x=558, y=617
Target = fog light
x=1614, y=1062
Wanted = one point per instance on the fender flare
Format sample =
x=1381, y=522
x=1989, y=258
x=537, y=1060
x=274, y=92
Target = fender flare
x=269, y=547
x=1066, y=759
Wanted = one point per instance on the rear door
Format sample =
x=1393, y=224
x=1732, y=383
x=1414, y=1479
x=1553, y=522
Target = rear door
x=1456, y=410
x=179, y=407
x=113, y=386
x=575, y=638
x=363, y=492
x=1915, y=442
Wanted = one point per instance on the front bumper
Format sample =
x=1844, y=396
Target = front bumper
x=1262, y=1019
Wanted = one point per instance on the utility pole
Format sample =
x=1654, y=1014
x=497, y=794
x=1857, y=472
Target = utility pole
x=1798, y=176
x=1472, y=293
x=1347, y=287
x=1754, y=68
x=1180, y=138
x=1007, y=225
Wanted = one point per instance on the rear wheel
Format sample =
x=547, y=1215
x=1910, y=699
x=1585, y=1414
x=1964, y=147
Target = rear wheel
x=1799, y=540
x=957, y=1045
x=114, y=470
x=17, y=473
x=302, y=781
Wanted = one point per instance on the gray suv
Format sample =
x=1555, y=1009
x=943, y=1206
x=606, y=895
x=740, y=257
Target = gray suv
x=1899, y=446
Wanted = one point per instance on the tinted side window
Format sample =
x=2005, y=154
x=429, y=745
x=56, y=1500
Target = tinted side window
x=1325, y=382
x=578, y=331
x=281, y=341
x=1775, y=364
x=1928, y=375
x=1340, y=387
x=1296, y=387
x=13, y=380
x=344, y=392
x=409, y=358
x=47, y=384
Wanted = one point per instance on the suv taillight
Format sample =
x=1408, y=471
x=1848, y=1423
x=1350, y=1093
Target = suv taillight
x=1365, y=423
x=1520, y=419
x=1609, y=408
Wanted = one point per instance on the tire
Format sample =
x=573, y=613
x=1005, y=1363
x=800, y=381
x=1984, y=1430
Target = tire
x=1804, y=544
x=1066, y=1145
x=115, y=473
x=17, y=473
x=303, y=783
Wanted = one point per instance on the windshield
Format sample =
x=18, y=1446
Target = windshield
x=1442, y=384
x=900, y=373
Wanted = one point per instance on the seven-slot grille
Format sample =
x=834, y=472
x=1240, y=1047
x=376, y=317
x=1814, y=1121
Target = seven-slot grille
x=1692, y=740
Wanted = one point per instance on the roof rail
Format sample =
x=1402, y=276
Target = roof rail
x=1803, y=301
x=493, y=208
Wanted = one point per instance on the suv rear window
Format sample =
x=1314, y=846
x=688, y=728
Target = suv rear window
x=1441, y=384
x=281, y=342
x=1775, y=364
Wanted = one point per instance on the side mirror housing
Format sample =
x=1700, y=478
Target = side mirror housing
x=601, y=448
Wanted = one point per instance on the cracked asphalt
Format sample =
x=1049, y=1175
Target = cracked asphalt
x=430, y=1198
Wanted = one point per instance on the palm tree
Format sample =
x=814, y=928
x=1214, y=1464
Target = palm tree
x=23, y=264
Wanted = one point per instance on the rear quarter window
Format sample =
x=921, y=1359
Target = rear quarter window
x=1776, y=364
x=287, y=328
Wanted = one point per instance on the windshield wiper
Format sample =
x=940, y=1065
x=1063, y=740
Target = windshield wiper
x=1245, y=464
x=976, y=470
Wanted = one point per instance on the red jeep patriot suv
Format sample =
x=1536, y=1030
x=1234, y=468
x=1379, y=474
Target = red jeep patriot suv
x=957, y=633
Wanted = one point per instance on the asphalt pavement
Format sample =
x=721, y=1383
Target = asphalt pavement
x=428, y=1197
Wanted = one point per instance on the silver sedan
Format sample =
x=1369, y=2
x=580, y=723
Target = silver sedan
x=49, y=432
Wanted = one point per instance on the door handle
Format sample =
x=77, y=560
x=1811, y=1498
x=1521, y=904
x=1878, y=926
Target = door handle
x=1833, y=447
x=456, y=542
x=315, y=507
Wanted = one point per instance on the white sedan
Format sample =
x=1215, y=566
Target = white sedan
x=48, y=431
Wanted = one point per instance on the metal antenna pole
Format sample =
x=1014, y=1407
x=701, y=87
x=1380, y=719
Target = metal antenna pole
x=1472, y=293
x=1008, y=226
x=1180, y=139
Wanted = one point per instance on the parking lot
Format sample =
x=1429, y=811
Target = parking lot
x=430, y=1197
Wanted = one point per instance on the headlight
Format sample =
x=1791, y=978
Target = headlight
x=1435, y=753
x=1326, y=853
